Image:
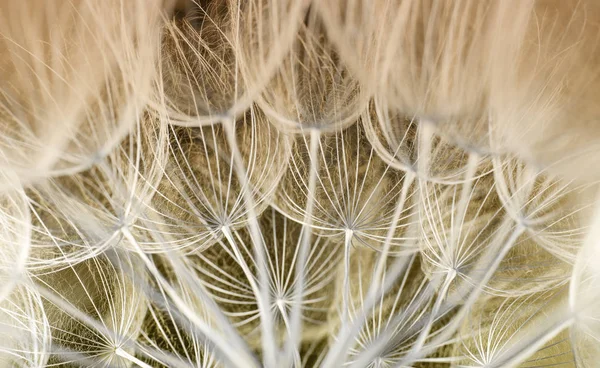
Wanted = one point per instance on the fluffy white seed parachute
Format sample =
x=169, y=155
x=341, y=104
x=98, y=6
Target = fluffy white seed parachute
x=75, y=75
x=299, y=183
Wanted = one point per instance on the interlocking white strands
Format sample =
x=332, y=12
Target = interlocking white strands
x=168, y=339
x=201, y=194
x=500, y=247
x=502, y=70
x=224, y=270
x=408, y=240
x=15, y=235
x=173, y=346
x=312, y=92
x=179, y=301
x=497, y=325
x=459, y=299
x=80, y=216
x=460, y=221
x=506, y=69
x=395, y=322
x=75, y=76
x=313, y=89
x=221, y=177
x=24, y=330
x=95, y=311
x=527, y=268
x=426, y=58
x=412, y=145
x=543, y=93
x=219, y=56
x=298, y=183
x=505, y=258
x=584, y=298
x=357, y=29
x=571, y=318
x=432, y=63
x=549, y=209
x=227, y=274
x=457, y=222
x=356, y=193
x=313, y=353
x=198, y=66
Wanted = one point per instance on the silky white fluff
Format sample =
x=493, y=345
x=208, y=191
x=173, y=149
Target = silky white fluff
x=299, y=183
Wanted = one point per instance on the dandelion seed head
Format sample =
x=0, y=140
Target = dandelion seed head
x=297, y=183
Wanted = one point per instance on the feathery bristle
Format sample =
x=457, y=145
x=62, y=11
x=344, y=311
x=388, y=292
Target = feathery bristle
x=299, y=183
